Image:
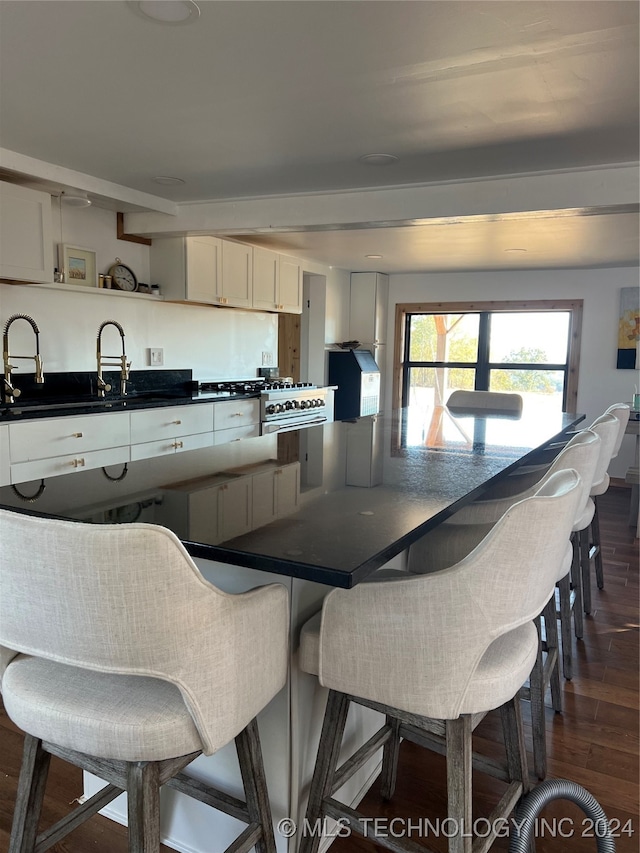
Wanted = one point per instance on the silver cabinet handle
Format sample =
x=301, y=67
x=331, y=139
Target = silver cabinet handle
x=77, y=435
x=77, y=463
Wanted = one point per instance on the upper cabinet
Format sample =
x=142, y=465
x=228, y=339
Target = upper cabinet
x=222, y=272
x=26, y=235
x=188, y=268
x=369, y=301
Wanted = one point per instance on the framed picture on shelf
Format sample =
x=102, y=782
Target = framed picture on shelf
x=78, y=265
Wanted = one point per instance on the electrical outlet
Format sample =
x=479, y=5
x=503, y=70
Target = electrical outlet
x=267, y=359
x=156, y=357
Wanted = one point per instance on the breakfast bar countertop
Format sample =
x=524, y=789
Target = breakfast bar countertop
x=358, y=492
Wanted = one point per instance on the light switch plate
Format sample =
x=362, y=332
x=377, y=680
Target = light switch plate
x=267, y=359
x=156, y=356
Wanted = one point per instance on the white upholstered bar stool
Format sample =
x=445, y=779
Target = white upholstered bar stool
x=120, y=658
x=451, y=541
x=608, y=426
x=434, y=653
x=621, y=412
x=486, y=402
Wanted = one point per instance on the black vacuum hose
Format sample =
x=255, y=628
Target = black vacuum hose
x=559, y=789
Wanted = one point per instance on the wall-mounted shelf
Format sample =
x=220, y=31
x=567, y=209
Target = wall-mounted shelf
x=78, y=288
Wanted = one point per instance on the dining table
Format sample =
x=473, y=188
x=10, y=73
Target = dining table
x=313, y=509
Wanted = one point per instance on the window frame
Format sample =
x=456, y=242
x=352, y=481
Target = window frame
x=572, y=306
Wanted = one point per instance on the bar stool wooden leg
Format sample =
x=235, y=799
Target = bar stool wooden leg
x=585, y=567
x=143, y=806
x=255, y=787
x=513, y=731
x=390, y=753
x=335, y=719
x=536, y=696
x=459, y=764
x=553, y=653
x=30, y=796
x=595, y=530
x=576, y=584
x=564, y=587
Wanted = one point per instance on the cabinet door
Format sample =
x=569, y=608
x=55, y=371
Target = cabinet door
x=204, y=269
x=171, y=422
x=235, y=413
x=51, y=437
x=23, y=472
x=287, y=481
x=263, y=487
x=368, y=307
x=203, y=516
x=290, y=290
x=266, y=276
x=234, y=508
x=26, y=239
x=237, y=275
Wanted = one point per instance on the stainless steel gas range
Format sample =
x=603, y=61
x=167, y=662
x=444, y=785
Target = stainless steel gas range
x=284, y=405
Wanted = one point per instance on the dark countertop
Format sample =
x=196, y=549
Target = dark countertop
x=11, y=413
x=339, y=533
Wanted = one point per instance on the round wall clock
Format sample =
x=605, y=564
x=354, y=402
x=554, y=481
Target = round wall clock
x=123, y=277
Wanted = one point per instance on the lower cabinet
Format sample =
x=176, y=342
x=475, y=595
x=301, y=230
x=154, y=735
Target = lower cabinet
x=159, y=432
x=52, y=446
x=228, y=505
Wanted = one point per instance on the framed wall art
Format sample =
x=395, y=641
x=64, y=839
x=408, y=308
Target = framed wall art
x=629, y=329
x=78, y=265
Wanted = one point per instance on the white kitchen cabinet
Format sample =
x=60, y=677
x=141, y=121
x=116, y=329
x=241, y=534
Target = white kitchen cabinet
x=158, y=432
x=5, y=475
x=364, y=452
x=277, y=282
x=53, y=446
x=237, y=275
x=369, y=300
x=290, y=291
x=235, y=503
x=235, y=419
x=46, y=438
x=188, y=268
x=276, y=493
x=26, y=235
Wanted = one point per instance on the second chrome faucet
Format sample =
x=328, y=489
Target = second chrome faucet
x=112, y=361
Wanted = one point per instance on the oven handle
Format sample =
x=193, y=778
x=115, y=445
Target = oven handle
x=268, y=427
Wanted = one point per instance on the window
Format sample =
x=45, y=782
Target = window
x=527, y=348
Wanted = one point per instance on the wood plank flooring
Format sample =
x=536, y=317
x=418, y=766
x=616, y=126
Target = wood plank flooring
x=595, y=741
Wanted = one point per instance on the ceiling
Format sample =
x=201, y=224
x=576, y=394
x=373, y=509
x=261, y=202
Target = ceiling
x=280, y=98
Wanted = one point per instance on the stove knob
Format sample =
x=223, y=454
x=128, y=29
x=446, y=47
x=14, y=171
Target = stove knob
x=304, y=404
x=319, y=402
x=288, y=405
x=314, y=404
x=270, y=410
x=279, y=407
x=296, y=404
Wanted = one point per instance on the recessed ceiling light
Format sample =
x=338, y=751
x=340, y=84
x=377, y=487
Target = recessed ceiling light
x=373, y=257
x=377, y=159
x=514, y=251
x=167, y=181
x=169, y=11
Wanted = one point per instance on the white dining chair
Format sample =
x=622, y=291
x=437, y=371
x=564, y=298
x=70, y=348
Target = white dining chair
x=485, y=402
x=119, y=657
x=434, y=653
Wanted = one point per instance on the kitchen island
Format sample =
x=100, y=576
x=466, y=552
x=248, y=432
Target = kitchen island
x=313, y=509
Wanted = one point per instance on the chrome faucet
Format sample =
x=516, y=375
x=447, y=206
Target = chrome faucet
x=10, y=392
x=112, y=361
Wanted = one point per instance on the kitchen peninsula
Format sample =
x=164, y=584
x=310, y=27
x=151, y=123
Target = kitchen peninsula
x=321, y=507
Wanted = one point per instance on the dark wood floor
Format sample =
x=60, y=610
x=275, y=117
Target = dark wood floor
x=595, y=741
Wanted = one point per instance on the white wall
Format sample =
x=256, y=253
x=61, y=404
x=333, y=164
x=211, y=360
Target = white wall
x=217, y=343
x=600, y=383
